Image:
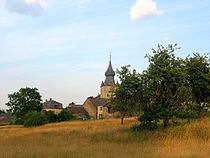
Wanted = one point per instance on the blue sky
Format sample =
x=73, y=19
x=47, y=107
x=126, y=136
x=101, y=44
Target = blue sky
x=62, y=46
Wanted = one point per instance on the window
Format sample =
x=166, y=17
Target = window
x=101, y=108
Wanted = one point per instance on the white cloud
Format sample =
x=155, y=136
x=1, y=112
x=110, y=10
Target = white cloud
x=32, y=7
x=144, y=8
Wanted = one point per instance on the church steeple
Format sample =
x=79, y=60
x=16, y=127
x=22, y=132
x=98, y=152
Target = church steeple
x=109, y=81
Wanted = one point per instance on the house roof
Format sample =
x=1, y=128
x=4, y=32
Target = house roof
x=52, y=104
x=79, y=110
x=97, y=101
x=9, y=117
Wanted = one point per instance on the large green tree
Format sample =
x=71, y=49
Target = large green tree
x=164, y=85
x=125, y=97
x=25, y=100
x=198, y=77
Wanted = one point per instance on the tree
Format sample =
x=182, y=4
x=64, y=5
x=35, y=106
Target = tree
x=2, y=111
x=34, y=118
x=64, y=116
x=164, y=86
x=198, y=77
x=51, y=116
x=125, y=97
x=24, y=101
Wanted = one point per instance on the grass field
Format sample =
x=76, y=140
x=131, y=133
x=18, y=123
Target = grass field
x=105, y=139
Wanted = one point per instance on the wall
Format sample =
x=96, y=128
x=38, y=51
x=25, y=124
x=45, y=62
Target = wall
x=90, y=108
x=105, y=91
x=56, y=111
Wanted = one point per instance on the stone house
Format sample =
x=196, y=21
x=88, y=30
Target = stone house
x=52, y=105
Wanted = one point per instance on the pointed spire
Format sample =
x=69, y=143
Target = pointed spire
x=110, y=71
x=109, y=81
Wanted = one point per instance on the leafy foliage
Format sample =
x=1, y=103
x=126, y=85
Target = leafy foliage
x=64, y=115
x=2, y=112
x=51, y=116
x=198, y=77
x=16, y=121
x=164, y=86
x=24, y=101
x=126, y=96
x=34, y=118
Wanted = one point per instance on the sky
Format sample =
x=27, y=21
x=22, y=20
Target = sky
x=62, y=47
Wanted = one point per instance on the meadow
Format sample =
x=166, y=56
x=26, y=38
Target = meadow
x=105, y=139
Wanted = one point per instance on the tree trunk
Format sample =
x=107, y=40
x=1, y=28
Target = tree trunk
x=122, y=118
x=165, y=122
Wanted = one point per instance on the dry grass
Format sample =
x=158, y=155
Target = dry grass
x=104, y=139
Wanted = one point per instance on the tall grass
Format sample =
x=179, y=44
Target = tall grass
x=104, y=139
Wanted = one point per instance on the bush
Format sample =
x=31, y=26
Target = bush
x=16, y=121
x=64, y=116
x=34, y=118
x=51, y=116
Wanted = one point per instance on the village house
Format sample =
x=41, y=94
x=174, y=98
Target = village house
x=52, y=105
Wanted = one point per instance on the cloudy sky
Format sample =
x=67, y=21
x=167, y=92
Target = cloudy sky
x=62, y=46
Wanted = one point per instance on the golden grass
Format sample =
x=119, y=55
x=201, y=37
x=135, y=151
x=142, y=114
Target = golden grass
x=104, y=139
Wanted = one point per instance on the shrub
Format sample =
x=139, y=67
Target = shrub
x=51, y=116
x=64, y=116
x=34, y=118
x=16, y=121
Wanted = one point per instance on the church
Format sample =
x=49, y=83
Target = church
x=98, y=107
x=94, y=107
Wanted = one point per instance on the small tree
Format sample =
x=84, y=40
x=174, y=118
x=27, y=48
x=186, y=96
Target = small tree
x=34, y=118
x=125, y=97
x=51, y=116
x=24, y=101
x=198, y=77
x=64, y=115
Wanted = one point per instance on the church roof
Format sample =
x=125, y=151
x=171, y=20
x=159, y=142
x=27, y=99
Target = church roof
x=110, y=71
x=109, y=81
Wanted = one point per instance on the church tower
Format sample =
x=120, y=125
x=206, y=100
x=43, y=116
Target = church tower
x=109, y=82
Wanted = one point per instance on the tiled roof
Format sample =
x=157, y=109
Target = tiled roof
x=79, y=110
x=52, y=104
x=98, y=101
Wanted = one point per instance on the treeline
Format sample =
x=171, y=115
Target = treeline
x=171, y=88
x=26, y=105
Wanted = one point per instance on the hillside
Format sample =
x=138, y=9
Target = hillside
x=104, y=138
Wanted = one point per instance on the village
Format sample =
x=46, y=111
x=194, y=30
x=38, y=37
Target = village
x=97, y=107
x=104, y=79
